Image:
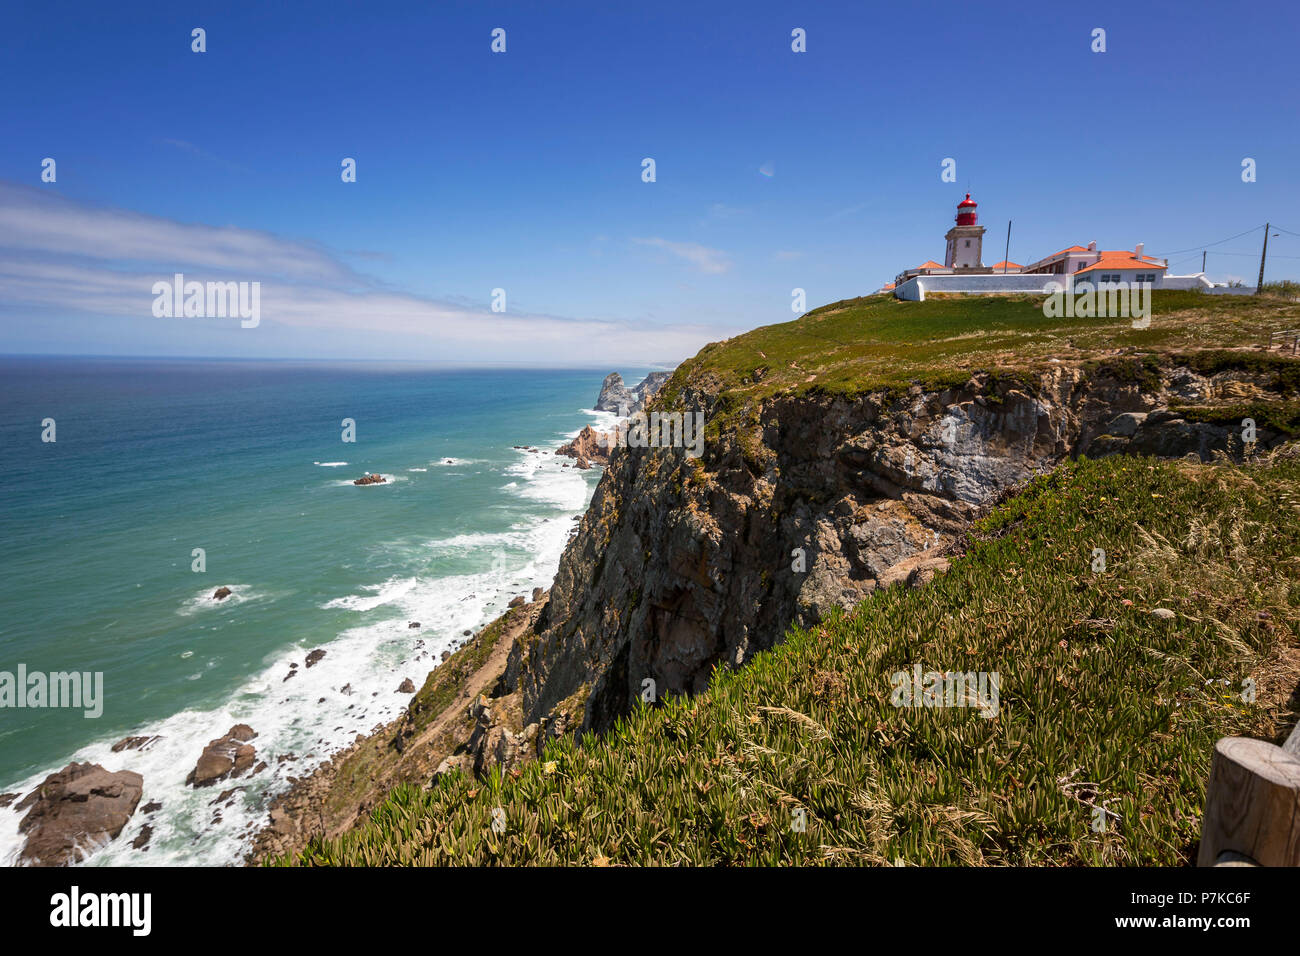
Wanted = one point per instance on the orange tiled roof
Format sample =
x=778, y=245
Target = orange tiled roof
x=1123, y=259
x=1009, y=265
x=887, y=287
x=931, y=264
x=1064, y=251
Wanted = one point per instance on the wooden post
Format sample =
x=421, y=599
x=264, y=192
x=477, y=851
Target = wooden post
x=1228, y=858
x=1259, y=286
x=1292, y=745
x=1252, y=804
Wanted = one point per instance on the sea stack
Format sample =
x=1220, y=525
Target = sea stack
x=617, y=397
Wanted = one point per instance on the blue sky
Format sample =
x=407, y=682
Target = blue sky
x=522, y=170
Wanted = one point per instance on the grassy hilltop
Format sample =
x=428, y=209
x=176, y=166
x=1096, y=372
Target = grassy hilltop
x=1102, y=702
x=881, y=343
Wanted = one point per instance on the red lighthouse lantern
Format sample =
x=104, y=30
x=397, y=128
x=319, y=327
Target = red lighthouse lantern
x=966, y=215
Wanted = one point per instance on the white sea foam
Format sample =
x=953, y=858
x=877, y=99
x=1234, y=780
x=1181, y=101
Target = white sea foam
x=330, y=464
x=309, y=716
x=602, y=421
x=381, y=594
x=545, y=479
x=451, y=462
x=204, y=601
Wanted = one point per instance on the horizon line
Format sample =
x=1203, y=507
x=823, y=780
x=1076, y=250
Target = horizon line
x=326, y=360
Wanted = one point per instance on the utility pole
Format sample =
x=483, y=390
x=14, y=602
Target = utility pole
x=1202, y=262
x=1259, y=286
x=1008, y=249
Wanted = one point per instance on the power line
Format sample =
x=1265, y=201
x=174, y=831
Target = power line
x=1251, y=254
x=1208, y=244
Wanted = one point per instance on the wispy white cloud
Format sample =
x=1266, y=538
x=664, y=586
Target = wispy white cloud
x=66, y=257
x=706, y=260
x=36, y=221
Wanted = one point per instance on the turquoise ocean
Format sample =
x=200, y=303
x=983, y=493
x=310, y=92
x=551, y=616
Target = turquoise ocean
x=246, y=461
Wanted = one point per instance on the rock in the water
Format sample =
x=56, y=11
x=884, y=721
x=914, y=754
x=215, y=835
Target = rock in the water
x=614, y=395
x=224, y=797
x=134, y=743
x=76, y=810
x=7, y=798
x=406, y=687
x=142, y=838
x=414, y=624
x=221, y=593
x=226, y=757
x=151, y=807
x=370, y=479
x=590, y=446
x=617, y=397
x=314, y=657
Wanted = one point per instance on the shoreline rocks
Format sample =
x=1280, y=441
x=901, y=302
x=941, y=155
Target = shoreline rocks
x=135, y=743
x=221, y=593
x=76, y=811
x=224, y=758
x=589, y=447
x=370, y=479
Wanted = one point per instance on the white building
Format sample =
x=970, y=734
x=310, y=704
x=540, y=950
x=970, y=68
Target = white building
x=963, y=270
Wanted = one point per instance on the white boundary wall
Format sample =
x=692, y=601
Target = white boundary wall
x=915, y=288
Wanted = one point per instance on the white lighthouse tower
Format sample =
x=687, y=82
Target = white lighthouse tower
x=966, y=239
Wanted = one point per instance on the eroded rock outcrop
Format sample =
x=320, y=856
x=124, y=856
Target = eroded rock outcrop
x=811, y=502
x=76, y=811
x=226, y=757
x=590, y=447
x=616, y=397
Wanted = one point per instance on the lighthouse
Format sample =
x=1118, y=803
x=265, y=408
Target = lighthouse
x=966, y=239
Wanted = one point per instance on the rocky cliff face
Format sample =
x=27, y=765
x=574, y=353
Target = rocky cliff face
x=812, y=503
